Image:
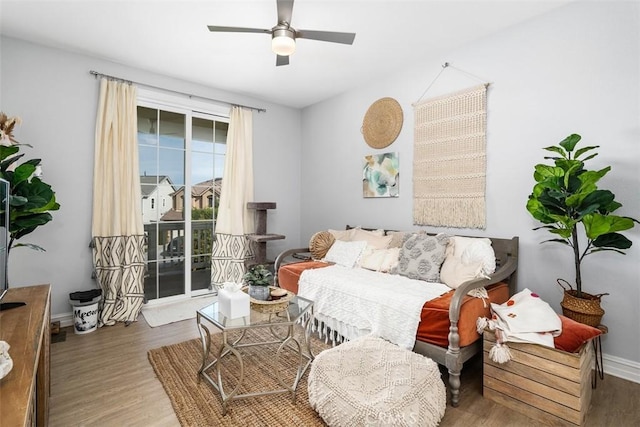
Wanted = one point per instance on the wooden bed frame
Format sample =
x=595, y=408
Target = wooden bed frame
x=453, y=357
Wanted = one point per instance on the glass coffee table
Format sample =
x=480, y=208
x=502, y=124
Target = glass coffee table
x=281, y=327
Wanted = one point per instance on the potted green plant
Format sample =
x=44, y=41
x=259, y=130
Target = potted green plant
x=258, y=277
x=567, y=200
x=30, y=199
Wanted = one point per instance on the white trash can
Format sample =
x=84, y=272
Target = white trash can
x=85, y=313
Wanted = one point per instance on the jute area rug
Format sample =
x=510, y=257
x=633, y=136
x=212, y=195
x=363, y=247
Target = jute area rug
x=196, y=403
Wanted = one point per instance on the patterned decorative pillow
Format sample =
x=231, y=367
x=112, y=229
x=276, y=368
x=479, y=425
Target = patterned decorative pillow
x=344, y=253
x=421, y=256
x=320, y=243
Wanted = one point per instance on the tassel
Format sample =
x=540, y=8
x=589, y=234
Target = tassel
x=481, y=324
x=480, y=293
x=500, y=353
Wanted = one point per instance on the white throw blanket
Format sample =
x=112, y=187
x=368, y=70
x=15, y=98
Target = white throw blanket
x=525, y=318
x=356, y=302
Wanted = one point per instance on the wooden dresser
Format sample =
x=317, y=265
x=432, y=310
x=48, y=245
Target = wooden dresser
x=24, y=392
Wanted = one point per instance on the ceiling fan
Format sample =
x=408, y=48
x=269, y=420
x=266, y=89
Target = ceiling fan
x=283, y=36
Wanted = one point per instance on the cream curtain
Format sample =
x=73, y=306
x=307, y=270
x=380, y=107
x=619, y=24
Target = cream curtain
x=117, y=231
x=231, y=247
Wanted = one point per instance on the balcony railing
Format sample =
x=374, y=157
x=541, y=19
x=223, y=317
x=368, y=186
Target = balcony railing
x=165, y=242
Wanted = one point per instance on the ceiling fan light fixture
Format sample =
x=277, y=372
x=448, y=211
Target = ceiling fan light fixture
x=283, y=42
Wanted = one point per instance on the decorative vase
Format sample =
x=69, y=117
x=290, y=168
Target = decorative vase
x=259, y=292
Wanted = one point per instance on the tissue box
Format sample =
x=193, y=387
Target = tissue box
x=233, y=304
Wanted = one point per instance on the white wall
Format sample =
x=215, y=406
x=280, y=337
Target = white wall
x=54, y=94
x=575, y=70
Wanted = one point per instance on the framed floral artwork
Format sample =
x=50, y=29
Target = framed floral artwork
x=381, y=175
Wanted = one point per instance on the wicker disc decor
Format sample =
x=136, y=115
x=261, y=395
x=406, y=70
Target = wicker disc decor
x=273, y=305
x=585, y=310
x=382, y=123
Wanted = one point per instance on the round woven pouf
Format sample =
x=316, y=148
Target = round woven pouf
x=369, y=381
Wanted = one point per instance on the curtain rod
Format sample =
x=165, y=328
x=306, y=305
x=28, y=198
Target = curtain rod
x=97, y=74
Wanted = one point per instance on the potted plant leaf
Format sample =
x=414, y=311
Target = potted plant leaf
x=258, y=277
x=31, y=199
x=567, y=200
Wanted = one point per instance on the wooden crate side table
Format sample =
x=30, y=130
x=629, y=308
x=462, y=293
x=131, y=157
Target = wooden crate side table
x=548, y=385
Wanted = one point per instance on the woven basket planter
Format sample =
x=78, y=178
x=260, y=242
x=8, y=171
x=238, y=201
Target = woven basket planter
x=585, y=310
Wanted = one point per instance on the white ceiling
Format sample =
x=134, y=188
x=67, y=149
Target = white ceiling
x=171, y=38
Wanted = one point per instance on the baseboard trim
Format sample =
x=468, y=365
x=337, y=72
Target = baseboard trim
x=613, y=365
x=65, y=319
x=621, y=368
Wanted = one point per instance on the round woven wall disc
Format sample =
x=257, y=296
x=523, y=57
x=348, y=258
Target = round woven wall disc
x=382, y=123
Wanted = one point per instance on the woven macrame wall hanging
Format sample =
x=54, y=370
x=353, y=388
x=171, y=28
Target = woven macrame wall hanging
x=449, y=160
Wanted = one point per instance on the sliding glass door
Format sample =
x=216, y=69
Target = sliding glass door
x=181, y=156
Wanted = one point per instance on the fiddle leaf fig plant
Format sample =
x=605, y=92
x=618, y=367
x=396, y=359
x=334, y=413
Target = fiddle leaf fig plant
x=30, y=198
x=567, y=200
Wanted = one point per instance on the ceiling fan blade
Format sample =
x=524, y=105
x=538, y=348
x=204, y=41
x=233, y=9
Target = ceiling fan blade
x=326, y=36
x=216, y=28
x=285, y=9
x=282, y=60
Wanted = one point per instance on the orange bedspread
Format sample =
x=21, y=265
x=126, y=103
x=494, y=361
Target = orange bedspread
x=289, y=274
x=434, y=323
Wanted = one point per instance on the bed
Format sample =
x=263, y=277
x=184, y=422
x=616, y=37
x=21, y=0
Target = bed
x=447, y=329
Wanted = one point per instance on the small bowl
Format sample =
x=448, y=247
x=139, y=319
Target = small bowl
x=278, y=293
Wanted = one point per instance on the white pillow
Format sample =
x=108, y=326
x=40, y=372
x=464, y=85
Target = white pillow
x=391, y=259
x=454, y=272
x=480, y=252
x=373, y=239
x=377, y=232
x=461, y=243
x=382, y=260
x=471, y=249
x=344, y=253
x=344, y=235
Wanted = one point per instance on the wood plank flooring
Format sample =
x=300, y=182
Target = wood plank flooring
x=104, y=379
